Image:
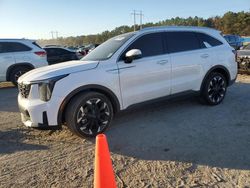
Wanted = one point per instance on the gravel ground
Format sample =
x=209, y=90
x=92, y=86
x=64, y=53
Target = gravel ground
x=174, y=143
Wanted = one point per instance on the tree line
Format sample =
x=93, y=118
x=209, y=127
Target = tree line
x=230, y=23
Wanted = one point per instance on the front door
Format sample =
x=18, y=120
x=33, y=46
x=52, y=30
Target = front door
x=148, y=77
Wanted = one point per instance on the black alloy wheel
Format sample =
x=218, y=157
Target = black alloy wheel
x=214, y=89
x=89, y=114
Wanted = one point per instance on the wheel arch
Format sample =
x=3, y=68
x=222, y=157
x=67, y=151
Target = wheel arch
x=92, y=87
x=8, y=72
x=220, y=69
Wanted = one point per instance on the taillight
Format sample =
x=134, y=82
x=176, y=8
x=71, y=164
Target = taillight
x=41, y=53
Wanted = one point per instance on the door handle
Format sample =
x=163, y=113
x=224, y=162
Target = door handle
x=204, y=56
x=162, y=62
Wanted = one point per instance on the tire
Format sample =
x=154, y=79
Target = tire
x=89, y=114
x=17, y=72
x=214, y=89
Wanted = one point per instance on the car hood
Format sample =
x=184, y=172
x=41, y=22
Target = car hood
x=57, y=70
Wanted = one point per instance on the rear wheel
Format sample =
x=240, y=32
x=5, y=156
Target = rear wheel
x=214, y=89
x=89, y=114
x=17, y=72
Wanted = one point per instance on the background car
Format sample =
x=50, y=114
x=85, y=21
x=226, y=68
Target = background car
x=59, y=54
x=234, y=40
x=244, y=52
x=18, y=56
x=243, y=59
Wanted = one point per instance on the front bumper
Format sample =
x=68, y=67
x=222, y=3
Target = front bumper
x=39, y=114
x=26, y=119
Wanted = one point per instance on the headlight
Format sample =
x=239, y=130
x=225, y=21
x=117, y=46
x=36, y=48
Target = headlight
x=45, y=87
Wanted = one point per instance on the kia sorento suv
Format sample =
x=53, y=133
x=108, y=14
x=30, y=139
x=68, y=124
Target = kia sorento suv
x=125, y=70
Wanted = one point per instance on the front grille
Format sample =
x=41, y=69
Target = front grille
x=24, y=90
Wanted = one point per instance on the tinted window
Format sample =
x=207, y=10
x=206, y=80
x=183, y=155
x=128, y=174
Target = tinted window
x=61, y=51
x=13, y=47
x=50, y=51
x=208, y=39
x=36, y=45
x=182, y=41
x=239, y=39
x=56, y=51
x=108, y=48
x=231, y=39
x=150, y=45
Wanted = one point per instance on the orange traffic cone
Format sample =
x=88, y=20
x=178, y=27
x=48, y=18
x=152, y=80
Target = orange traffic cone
x=103, y=175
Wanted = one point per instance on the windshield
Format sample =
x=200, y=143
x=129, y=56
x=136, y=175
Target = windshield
x=108, y=48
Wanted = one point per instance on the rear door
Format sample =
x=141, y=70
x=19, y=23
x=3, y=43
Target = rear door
x=148, y=77
x=6, y=59
x=22, y=53
x=187, y=59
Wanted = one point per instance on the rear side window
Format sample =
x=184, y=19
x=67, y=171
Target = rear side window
x=6, y=47
x=49, y=51
x=64, y=52
x=149, y=44
x=57, y=51
x=230, y=38
x=34, y=43
x=181, y=41
x=52, y=51
x=208, y=41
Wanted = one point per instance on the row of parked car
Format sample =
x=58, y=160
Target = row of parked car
x=18, y=56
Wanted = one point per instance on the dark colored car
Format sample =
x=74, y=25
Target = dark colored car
x=58, y=55
x=234, y=40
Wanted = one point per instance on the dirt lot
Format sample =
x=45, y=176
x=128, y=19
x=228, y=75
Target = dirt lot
x=176, y=143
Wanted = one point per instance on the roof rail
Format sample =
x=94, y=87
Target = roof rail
x=174, y=27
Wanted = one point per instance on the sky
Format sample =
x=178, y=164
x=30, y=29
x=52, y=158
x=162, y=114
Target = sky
x=35, y=19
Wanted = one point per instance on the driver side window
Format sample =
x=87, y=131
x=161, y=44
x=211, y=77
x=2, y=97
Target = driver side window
x=149, y=44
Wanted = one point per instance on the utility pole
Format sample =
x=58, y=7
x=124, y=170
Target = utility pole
x=56, y=32
x=137, y=13
x=141, y=19
x=134, y=14
x=52, y=32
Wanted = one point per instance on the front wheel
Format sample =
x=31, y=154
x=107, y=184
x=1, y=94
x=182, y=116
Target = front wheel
x=214, y=89
x=89, y=114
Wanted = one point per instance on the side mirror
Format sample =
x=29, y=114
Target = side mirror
x=242, y=47
x=132, y=54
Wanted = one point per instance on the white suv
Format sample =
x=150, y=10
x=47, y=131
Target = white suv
x=18, y=56
x=126, y=70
